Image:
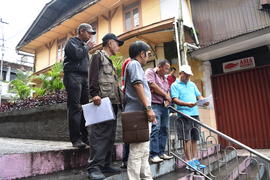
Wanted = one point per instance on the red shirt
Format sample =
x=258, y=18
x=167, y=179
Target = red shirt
x=124, y=65
x=171, y=79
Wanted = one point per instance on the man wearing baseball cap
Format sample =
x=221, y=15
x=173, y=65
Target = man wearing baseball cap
x=76, y=64
x=103, y=82
x=185, y=94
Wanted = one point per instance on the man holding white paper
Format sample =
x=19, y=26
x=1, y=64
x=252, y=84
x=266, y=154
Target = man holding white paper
x=103, y=82
x=185, y=94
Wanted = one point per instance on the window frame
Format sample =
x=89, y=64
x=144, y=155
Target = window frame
x=126, y=9
x=94, y=24
x=61, y=43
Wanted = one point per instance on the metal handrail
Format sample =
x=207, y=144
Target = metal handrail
x=222, y=135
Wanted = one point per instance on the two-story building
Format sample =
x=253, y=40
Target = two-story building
x=148, y=20
x=231, y=63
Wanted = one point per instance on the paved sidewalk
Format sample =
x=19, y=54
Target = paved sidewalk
x=15, y=146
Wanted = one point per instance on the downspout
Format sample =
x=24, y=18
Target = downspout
x=35, y=62
x=179, y=35
x=182, y=46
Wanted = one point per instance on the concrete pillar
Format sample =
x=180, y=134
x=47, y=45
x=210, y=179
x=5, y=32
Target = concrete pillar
x=8, y=74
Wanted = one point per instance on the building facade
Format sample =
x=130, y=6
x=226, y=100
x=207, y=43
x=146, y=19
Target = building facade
x=234, y=36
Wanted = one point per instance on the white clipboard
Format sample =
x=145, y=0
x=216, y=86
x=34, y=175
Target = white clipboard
x=97, y=114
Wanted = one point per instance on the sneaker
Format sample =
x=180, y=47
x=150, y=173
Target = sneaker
x=165, y=157
x=192, y=164
x=156, y=159
x=79, y=144
x=198, y=163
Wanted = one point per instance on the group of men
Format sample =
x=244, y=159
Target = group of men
x=95, y=78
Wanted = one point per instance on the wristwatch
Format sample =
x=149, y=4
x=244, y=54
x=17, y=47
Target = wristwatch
x=148, y=108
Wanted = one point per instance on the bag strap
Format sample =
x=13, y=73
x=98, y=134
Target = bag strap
x=125, y=77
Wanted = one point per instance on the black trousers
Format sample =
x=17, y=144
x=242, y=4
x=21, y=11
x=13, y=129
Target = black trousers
x=125, y=152
x=77, y=88
x=102, y=137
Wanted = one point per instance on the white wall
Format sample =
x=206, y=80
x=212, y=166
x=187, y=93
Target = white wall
x=168, y=9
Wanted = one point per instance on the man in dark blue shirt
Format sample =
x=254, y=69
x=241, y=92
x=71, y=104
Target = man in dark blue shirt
x=76, y=64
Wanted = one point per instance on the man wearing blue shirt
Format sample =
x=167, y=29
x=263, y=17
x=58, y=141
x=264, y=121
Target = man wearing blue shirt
x=185, y=94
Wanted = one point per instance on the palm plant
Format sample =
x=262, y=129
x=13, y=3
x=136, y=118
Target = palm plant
x=50, y=81
x=20, y=85
x=117, y=62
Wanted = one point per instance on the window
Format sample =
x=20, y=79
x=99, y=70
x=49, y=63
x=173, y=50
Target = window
x=13, y=76
x=60, y=49
x=132, y=16
x=95, y=25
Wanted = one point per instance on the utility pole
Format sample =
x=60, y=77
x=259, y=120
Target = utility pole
x=2, y=58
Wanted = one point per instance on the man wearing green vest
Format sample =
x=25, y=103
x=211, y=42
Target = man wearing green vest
x=103, y=82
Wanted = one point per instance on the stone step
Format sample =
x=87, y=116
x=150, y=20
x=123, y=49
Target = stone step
x=233, y=168
x=203, y=153
x=216, y=161
x=253, y=172
x=157, y=169
x=35, y=157
x=183, y=174
x=81, y=174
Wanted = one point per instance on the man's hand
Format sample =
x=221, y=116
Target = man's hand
x=168, y=98
x=166, y=103
x=96, y=100
x=191, y=105
x=90, y=44
x=151, y=116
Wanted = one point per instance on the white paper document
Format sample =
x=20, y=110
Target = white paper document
x=203, y=101
x=96, y=114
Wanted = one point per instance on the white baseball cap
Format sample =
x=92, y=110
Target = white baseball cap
x=186, y=69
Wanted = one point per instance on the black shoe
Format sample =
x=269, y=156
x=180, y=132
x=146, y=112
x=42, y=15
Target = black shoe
x=79, y=144
x=110, y=170
x=124, y=165
x=86, y=142
x=96, y=175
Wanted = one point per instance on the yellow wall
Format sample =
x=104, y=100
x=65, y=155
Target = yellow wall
x=42, y=57
x=150, y=11
x=196, y=68
x=117, y=25
x=103, y=28
x=53, y=54
x=160, y=51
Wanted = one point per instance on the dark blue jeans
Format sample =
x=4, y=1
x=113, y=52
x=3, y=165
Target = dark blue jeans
x=159, y=133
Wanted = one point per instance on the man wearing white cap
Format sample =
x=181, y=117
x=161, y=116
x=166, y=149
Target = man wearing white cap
x=185, y=94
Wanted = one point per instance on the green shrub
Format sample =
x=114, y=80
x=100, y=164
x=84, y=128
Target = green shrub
x=20, y=85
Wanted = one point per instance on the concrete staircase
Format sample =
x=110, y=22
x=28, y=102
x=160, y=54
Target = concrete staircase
x=54, y=160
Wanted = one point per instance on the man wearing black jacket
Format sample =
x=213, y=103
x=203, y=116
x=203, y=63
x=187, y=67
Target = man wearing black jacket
x=76, y=64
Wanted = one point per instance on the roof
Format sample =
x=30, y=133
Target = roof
x=51, y=15
x=234, y=45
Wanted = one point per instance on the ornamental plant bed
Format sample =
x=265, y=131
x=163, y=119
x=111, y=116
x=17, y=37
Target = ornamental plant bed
x=57, y=97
